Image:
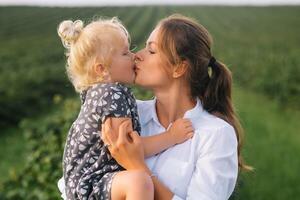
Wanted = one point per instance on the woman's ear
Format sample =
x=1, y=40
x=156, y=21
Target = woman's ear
x=180, y=69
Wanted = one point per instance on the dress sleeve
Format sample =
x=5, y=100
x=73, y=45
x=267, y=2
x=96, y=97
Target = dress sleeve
x=61, y=186
x=113, y=102
x=216, y=169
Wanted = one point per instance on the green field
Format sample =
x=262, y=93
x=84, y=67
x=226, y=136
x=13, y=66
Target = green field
x=259, y=44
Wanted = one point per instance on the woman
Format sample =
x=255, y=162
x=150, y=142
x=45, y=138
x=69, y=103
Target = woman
x=187, y=81
x=178, y=66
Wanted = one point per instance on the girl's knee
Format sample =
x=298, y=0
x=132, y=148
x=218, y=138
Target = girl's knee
x=138, y=180
x=142, y=179
x=128, y=183
x=133, y=178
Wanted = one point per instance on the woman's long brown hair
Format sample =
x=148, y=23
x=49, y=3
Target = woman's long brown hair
x=183, y=39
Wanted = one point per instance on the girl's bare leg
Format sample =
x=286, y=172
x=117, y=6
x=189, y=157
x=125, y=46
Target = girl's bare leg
x=132, y=185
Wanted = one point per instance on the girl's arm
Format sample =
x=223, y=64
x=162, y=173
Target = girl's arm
x=129, y=153
x=180, y=131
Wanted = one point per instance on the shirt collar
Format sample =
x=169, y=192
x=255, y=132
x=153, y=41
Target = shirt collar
x=150, y=113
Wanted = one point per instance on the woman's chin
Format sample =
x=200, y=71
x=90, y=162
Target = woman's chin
x=140, y=83
x=139, y=80
x=136, y=79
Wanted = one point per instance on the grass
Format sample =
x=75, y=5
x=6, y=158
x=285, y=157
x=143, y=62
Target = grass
x=272, y=144
x=12, y=153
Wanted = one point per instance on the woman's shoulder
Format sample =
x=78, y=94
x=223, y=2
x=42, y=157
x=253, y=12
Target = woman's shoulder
x=213, y=126
x=215, y=135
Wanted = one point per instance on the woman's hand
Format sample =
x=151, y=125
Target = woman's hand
x=126, y=146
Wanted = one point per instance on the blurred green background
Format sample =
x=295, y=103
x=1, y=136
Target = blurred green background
x=38, y=104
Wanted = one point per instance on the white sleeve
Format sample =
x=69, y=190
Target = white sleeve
x=175, y=197
x=61, y=186
x=216, y=168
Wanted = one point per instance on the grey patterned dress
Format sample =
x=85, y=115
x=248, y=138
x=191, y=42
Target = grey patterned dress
x=88, y=167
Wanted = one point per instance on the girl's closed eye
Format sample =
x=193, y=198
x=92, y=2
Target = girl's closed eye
x=126, y=53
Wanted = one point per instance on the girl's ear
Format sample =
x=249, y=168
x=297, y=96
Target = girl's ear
x=101, y=72
x=180, y=69
x=99, y=69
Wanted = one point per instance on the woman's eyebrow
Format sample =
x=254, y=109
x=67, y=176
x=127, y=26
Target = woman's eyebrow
x=149, y=43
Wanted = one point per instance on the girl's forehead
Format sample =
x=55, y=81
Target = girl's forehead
x=125, y=43
x=125, y=39
x=119, y=39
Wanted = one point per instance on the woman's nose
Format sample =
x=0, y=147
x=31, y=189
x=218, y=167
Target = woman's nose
x=138, y=56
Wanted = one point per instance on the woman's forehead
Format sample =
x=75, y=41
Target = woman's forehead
x=152, y=37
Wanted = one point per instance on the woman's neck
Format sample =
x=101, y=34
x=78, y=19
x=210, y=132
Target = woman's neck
x=171, y=104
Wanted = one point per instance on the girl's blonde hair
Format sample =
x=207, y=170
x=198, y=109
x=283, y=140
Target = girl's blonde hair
x=85, y=46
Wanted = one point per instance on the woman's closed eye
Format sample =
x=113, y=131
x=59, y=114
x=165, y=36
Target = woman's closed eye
x=150, y=47
x=151, y=51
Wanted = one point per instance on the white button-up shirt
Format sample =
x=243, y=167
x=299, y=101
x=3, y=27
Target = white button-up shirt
x=204, y=167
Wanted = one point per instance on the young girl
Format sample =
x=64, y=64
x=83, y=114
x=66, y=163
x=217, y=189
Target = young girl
x=99, y=63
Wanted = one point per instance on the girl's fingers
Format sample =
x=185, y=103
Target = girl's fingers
x=188, y=125
x=190, y=129
x=190, y=135
x=187, y=121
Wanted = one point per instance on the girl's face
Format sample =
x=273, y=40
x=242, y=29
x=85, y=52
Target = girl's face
x=151, y=68
x=122, y=66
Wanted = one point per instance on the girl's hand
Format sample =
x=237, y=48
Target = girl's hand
x=181, y=130
x=126, y=146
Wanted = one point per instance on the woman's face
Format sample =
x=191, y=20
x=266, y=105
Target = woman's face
x=151, y=69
